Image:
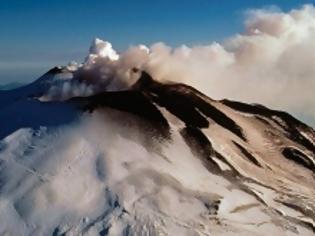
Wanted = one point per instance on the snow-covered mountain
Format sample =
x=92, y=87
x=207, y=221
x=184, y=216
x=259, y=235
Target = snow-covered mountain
x=153, y=159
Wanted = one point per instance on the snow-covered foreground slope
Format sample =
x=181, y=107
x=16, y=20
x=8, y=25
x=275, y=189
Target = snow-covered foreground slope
x=156, y=159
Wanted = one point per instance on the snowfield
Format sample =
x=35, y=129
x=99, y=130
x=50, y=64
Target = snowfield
x=113, y=171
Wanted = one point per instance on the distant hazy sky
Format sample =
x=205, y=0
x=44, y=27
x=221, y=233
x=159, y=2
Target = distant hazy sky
x=36, y=35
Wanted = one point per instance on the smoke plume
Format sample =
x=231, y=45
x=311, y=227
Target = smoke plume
x=271, y=63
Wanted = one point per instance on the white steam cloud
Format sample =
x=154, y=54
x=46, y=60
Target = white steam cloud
x=271, y=63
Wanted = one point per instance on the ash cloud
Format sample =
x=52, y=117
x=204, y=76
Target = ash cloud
x=271, y=62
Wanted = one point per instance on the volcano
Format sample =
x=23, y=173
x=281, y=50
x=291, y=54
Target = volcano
x=157, y=158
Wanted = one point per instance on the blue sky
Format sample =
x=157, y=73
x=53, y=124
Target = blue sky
x=36, y=35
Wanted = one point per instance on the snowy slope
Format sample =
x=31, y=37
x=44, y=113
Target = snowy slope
x=155, y=159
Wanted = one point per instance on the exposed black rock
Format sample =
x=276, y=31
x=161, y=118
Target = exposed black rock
x=247, y=154
x=231, y=173
x=133, y=102
x=298, y=157
x=201, y=147
x=186, y=103
x=290, y=124
x=199, y=141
